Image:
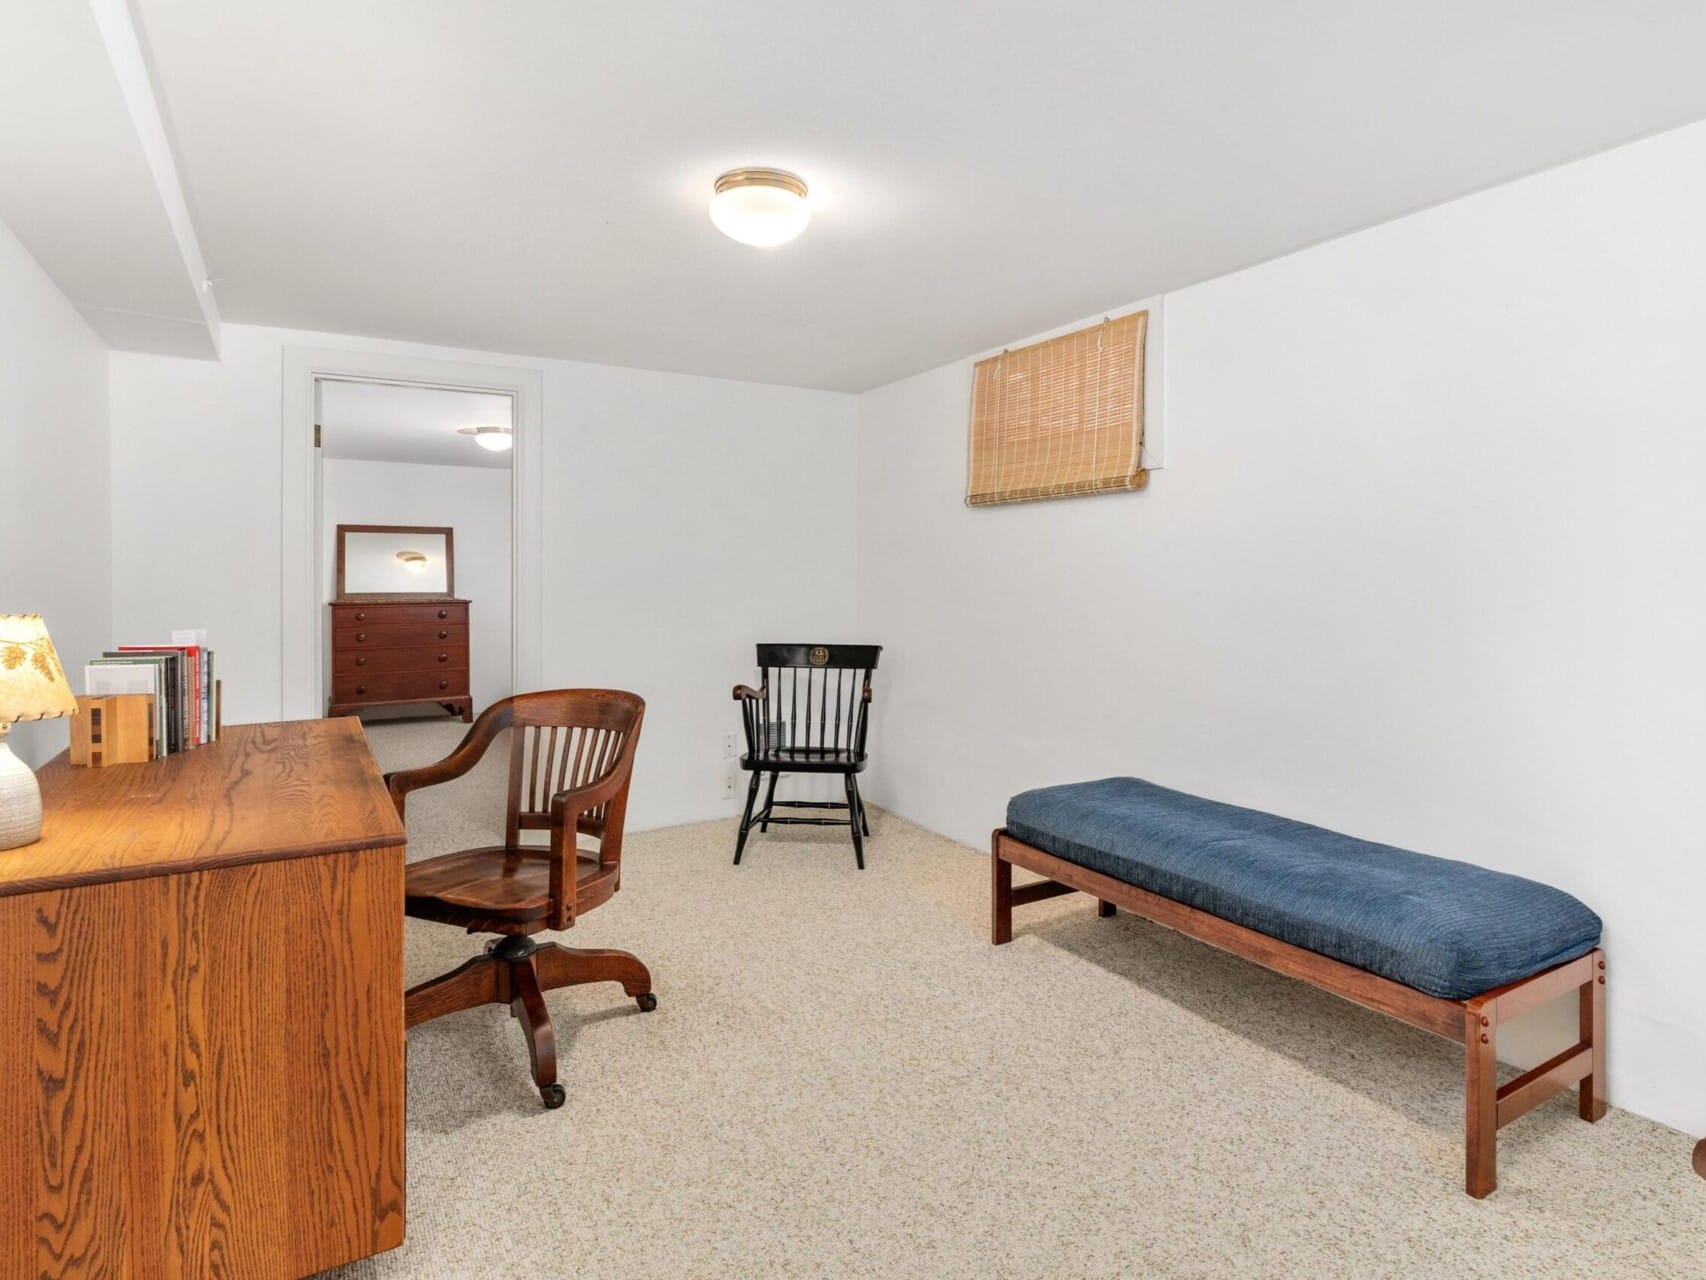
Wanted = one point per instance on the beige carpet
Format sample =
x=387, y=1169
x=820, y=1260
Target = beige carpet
x=843, y=1078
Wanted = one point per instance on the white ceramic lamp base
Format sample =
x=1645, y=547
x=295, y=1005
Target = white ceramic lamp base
x=20, y=800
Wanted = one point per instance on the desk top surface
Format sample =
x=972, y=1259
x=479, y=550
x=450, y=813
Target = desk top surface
x=261, y=793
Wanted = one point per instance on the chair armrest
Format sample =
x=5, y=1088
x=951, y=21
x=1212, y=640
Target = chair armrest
x=577, y=800
x=747, y=693
x=566, y=809
x=468, y=753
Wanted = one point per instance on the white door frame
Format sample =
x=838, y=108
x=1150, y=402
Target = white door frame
x=303, y=604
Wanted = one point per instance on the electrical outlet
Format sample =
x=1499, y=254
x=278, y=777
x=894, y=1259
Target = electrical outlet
x=728, y=746
x=730, y=781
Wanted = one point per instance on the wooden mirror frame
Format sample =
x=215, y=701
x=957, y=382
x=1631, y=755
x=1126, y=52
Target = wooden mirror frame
x=449, y=592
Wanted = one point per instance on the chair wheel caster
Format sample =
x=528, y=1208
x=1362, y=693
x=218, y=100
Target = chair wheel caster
x=553, y=1096
x=647, y=1002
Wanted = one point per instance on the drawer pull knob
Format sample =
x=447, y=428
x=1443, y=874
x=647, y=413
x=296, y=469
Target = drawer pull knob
x=361, y=688
x=442, y=635
x=360, y=636
x=444, y=657
x=444, y=684
x=361, y=662
x=361, y=617
x=444, y=613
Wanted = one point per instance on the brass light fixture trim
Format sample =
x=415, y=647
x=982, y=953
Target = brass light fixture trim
x=761, y=178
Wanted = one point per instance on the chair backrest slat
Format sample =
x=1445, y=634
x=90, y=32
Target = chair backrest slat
x=837, y=703
x=555, y=758
x=565, y=740
x=817, y=718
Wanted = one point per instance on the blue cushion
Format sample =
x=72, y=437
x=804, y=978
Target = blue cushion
x=1447, y=928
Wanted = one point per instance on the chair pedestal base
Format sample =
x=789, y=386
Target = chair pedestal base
x=517, y=971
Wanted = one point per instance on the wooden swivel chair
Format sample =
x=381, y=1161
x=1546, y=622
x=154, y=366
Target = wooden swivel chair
x=570, y=758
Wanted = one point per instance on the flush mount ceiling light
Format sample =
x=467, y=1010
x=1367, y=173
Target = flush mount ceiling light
x=413, y=561
x=497, y=439
x=760, y=207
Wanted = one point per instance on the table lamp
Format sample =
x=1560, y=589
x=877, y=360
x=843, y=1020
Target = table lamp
x=32, y=687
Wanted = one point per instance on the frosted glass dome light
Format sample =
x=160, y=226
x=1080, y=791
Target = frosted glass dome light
x=760, y=207
x=496, y=439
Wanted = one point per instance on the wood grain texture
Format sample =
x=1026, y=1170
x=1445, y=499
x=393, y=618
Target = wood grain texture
x=263, y=791
x=1590, y=1005
x=571, y=762
x=560, y=966
x=501, y=884
x=115, y=729
x=1537, y=1084
x=1000, y=892
x=205, y=1069
x=401, y=609
x=384, y=661
x=1517, y=998
x=1480, y=1101
x=392, y=653
x=208, y=1102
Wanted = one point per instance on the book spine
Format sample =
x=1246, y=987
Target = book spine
x=195, y=693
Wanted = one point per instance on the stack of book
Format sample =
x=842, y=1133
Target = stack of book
x=180, y=675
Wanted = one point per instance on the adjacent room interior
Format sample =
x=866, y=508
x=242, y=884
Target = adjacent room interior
x=415, y=494
x=751, y=640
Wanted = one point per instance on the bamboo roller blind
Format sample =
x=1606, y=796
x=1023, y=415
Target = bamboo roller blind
x=1059, y=417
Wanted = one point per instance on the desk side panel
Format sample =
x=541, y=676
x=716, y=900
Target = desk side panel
x=207, y=1071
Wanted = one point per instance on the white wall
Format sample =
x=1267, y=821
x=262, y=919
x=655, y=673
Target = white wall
x=475, y=503
x=1427, y=564
x=55, y=539
x=685, y=519
x=1424, y=564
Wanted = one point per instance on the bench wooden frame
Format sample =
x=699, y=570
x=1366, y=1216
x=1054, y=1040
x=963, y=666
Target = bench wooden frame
x=1473, y=1023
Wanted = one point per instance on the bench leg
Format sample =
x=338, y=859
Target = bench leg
x=1590, y=1094
x=1104, y=909
x=1481, y=1099
x=1000, y=894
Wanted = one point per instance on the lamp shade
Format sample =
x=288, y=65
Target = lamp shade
x=32, y=682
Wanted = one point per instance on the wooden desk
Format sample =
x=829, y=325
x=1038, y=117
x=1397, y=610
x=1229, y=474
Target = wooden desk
x=201, y=1014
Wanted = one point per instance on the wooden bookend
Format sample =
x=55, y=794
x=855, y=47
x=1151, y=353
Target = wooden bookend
x=116, y=729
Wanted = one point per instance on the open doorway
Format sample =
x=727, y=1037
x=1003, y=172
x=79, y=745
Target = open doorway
x=424, y=628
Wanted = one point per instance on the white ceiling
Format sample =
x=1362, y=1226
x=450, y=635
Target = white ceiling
x=531, y=176
x=85, y=176
x=377, y=422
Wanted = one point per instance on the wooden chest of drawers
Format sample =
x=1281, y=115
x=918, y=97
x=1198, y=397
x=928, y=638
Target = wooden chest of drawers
x=393, y=653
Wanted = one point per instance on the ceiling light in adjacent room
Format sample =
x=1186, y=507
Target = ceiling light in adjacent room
x=497, y=439
x=760, y=207
x=413, y=561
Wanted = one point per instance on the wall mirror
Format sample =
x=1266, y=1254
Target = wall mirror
x=389, y=561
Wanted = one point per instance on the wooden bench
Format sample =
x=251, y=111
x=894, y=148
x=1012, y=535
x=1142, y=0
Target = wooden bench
x=1473, y=1022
